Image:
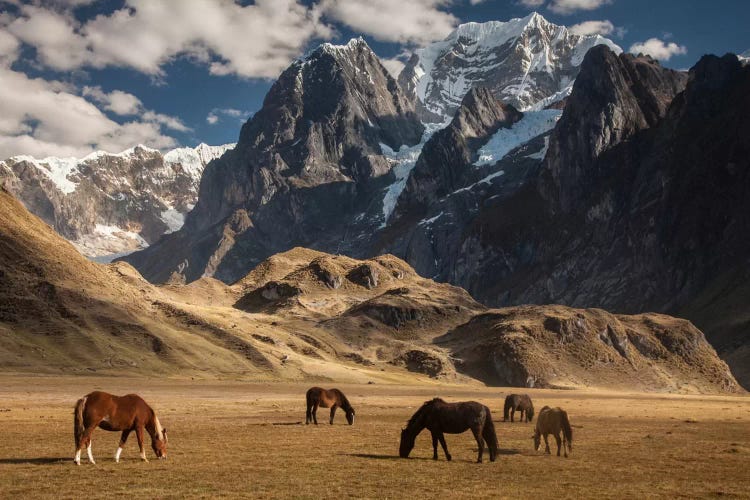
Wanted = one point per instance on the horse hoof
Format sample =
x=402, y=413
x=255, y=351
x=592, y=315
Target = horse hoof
x=448, y=458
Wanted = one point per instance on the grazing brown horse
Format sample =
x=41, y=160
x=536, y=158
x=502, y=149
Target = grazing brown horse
x=553, y=421
x=116, y=413
x=518, y=402
x=332, y=399
x=451, y=418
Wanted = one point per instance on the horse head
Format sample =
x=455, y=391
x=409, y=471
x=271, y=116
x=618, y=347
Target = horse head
x=159, y=444
x=537, y=437
x=530, y=414
x=350, y=415
x=407, y=443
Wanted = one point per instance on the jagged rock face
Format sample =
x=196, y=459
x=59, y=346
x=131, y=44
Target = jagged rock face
x=613, y=98
x=445, y=163
x=305, y=165
x=111, y=203
x=525, y=62
x=488, y=151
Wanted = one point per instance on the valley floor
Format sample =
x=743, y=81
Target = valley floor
x=233, y=439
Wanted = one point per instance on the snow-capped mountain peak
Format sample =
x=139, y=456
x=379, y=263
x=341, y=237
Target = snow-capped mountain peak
x=523, y=61
x=111, y=203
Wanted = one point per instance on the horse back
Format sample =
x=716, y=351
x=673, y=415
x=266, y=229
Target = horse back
x=325, y=398
x=120, y=412
x=454, y=418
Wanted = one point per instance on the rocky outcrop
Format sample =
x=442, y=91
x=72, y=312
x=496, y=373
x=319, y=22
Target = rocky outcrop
x=305, y=166
x=555, y=346
x=108, y=204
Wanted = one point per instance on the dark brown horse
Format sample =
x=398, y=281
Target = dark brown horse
x=332, y=399
x=451, y=418
x=518, y=402
x=553, y=421
x=114, y=413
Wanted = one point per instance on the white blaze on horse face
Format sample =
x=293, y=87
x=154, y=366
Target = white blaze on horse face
x=117, y=454
x=91, y=457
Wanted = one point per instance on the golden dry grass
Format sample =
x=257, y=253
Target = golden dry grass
x=232, y=439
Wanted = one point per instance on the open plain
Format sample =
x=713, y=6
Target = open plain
x=231, y=438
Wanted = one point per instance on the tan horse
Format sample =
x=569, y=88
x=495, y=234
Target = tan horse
x=332, y=399
x=553, y=421
x=114, y=413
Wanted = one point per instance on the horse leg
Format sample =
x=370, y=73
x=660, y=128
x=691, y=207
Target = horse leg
x=333, y=412
x=480, y=443
x=85, y=443
x=445, y=446
x=512, y=414
x=546, y=445
x=139, y=437
x=315, y=412
x=123, y=439
x=557, y=438
x=434, y=445
x=308, y=416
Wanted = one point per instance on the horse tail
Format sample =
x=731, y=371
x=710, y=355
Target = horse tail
x=78, y=427
x=489, y=435
x=506, y=408
x=567, y=431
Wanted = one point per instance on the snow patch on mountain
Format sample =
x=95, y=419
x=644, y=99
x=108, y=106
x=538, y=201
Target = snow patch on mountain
x=107, y=242
x=194, y=160
x=533, y=124
x=61, y=171
x=404, y=161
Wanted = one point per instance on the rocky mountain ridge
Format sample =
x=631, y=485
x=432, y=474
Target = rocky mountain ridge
x=304, y=314
x=111, y=203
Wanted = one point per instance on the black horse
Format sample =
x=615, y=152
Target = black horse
x=452, y=418
x=518, y=402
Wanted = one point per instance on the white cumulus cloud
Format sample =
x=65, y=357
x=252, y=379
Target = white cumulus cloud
x=256, y=40
x=603, y=28
x=217, y=114
x=569, y=6
x=412, y=21
x=658, y=49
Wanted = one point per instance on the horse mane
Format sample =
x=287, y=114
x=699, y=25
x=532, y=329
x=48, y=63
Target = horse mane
x=158, y=429
x=345, y=404
x=421, y=411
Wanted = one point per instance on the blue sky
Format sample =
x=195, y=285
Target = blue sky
x=81, y=75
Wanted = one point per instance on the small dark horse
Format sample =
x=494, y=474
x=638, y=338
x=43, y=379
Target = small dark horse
x=452, y=418
x=332, y=399
x=114, y=413
x=552, y=421
x=518, y=402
